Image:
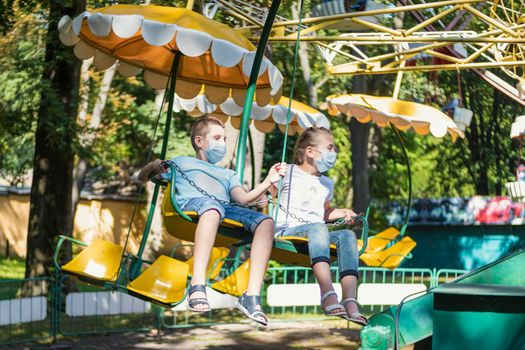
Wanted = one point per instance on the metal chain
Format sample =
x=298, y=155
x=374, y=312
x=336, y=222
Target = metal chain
x=203, y=191
x=339, y=222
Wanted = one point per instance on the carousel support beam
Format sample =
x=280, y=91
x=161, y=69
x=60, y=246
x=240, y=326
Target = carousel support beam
x=136, y=264
x=373, y=12
x=252, y=83
x=350, y=68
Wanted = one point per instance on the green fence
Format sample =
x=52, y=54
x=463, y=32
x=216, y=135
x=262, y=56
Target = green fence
x=25, y=310
x=85, y=309
x=38, y=309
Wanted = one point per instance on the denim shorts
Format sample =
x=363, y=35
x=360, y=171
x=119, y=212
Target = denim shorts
x=250, y=219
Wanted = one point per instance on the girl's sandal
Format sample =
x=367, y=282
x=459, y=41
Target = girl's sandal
x=330, y=309
x=355, y=317
x=247, y=304
x=192, y=302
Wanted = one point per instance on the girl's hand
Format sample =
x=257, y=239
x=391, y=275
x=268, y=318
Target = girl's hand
x=277, y=171
x=350, y=215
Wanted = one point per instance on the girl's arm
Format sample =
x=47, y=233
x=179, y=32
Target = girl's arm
x=240, y=196
x=332, y=214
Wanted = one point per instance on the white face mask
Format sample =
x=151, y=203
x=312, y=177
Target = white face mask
x=216, y=151
x=326, y=162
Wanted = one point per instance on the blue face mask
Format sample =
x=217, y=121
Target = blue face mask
x=326, y=162
x=216, y=151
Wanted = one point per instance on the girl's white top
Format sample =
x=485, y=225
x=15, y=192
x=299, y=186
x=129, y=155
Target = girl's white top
x=304, y=196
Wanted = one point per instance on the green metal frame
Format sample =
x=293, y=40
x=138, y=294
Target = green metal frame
x=409, y=175
x=252, y=83
x=136, y=264
x=124, y=274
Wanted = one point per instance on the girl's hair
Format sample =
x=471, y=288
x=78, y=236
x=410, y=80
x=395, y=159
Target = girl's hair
x=308, y=138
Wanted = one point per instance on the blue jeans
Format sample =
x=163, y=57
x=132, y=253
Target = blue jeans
x=319, y=240
x=250, y=219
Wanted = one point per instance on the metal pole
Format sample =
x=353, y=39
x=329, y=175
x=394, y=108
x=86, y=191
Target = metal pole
x=252, y=156
x=250, y=92
x=137, y=263
x=409, y=174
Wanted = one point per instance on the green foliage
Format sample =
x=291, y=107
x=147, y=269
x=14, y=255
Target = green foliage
x=122, y=142
x=21, y=58
x=342, y=172
x=12, y=268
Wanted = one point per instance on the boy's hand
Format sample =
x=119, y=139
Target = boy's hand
x=277, y=171
x=152, y=169
x=262, y=202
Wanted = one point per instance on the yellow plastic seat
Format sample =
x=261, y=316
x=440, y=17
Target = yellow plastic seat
x=164, y=282
x=236, y=283
x=378, y=242
x=303, y=240
x=185, y=230
x=100, y=261
x=302, y=257
x=390, y=257
x=214, y=263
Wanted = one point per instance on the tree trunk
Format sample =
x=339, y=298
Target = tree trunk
x=80, y=171
x=359, y=135
x=50, y=212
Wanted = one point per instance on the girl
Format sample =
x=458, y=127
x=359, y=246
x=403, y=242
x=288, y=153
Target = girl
x=305, y=198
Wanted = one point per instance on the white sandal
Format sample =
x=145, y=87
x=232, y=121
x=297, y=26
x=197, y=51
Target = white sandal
x=328, y=310
x=355, y=317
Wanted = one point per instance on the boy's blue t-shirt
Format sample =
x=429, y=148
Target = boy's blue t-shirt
x=215, y=180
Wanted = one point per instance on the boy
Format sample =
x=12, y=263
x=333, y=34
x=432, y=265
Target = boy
x=208, y=138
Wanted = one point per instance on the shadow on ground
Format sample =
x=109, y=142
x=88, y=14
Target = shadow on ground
x=282, y=336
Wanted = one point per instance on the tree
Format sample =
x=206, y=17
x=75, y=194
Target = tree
x=51, y=212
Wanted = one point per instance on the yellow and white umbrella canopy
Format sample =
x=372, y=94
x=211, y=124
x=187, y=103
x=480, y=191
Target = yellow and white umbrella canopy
x=263, y=118
x=216, y=60
x=404, y=115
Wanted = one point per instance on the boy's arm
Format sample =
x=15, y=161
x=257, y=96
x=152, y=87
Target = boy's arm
x=332, y=214
x=240, y=196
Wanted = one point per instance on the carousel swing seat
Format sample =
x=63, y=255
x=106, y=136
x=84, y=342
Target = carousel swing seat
x=236, y=283
x=217, y=259
x=96, y=264
x=392, y=256
x=230, y=233
x=381, y=240
x=164, y=282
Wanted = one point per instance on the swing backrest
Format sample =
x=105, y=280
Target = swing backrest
x=100, y=261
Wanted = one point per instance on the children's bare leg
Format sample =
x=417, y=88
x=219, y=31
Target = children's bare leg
x=204, y=239
x=259, y=255
x=349, y=286
x=324, y=279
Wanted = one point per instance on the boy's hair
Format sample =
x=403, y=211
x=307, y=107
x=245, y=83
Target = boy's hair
x=201, y=128
x=308, y=138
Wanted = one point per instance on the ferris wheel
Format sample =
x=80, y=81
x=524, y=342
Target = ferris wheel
x=371, y=37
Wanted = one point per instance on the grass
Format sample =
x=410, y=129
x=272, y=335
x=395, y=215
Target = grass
x=12, y=268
